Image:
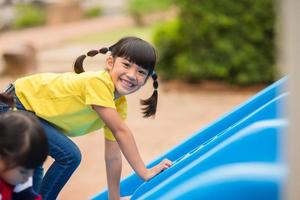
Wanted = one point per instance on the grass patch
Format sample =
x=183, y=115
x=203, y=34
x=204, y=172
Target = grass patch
x=145, y=33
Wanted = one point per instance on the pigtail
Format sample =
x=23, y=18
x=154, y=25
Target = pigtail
x=78, y=68
x=150, y=104
x=104, y=50
x=78, y=65
x=7, y=99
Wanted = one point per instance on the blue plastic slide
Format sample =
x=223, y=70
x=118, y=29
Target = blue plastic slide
x=236, y=157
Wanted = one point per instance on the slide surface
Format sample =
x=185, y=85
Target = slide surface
x=237, y=155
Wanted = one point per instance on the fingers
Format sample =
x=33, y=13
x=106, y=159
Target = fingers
x=125, y=198
x=165, y=163
x=168, y=162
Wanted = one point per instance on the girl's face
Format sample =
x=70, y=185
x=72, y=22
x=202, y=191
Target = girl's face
x=16, y=175
x=127, y=77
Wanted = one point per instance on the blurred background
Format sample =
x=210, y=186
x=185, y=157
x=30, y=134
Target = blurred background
x=213, y=55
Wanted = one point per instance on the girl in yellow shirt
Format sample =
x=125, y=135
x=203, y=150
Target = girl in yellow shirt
x=73, y=104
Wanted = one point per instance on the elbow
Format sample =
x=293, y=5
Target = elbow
x=122, y=134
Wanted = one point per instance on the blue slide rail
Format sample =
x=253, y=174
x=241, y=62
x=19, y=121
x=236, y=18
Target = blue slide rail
x=237, y=150
x=265, y=105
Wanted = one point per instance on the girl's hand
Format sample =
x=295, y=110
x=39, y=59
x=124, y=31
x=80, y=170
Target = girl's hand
x=164, y=164
x=125, y=198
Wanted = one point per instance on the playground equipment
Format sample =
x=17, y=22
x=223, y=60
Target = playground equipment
x=236, y=157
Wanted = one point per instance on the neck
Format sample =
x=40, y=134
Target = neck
x=117, y=95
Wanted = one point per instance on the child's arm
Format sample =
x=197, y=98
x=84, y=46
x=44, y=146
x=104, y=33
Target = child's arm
x=113, y=161
x=127, y=143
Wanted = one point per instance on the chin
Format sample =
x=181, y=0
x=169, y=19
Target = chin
x=125, y=92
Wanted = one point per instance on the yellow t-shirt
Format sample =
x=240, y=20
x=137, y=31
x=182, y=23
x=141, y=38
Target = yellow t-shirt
x=65, y=100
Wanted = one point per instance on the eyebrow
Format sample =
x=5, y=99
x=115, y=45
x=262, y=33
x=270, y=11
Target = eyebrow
x=131, y=63
x=143, y=69
x=125, y=59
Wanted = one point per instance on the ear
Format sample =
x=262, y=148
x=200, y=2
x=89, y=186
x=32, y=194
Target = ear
x=109, y=62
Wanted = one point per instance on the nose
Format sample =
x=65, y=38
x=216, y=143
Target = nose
x=31, y=173
x=28, y=175
x=132, y=73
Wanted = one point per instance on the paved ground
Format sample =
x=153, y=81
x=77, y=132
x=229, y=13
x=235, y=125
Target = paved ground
x=50, y=36
x=182, y=109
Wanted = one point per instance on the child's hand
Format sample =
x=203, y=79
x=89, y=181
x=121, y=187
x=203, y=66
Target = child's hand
x=164, y=164
x=125, y=198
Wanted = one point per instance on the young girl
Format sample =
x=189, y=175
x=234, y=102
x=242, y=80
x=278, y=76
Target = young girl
x=23, y=147
x=74, y=104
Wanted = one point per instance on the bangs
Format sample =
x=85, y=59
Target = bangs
x=137, y=51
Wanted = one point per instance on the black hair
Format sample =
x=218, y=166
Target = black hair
x=137, y=51
x=7, y=99
x=22, y=140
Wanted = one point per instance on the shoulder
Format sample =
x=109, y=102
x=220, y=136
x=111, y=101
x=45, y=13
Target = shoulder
x=98, y=79
x=98, y=89
x=5, y=190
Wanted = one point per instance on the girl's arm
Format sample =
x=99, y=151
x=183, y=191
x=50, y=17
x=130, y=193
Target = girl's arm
x=113, y=161
x=127, y=143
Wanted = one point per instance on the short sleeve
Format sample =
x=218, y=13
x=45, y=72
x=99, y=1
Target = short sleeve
x=108, y=134
x=121, y=105
x=98, y=92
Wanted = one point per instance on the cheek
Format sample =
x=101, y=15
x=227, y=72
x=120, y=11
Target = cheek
x=114, y=76
x=10, y=177
x=142, y=80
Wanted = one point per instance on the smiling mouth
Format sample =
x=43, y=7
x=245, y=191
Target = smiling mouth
x=127, y=84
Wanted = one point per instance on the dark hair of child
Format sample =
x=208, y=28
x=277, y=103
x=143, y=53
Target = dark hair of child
x=137, y=51
x=22, y=140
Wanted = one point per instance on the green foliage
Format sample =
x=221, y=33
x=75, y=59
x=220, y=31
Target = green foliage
x=93, y=12
x=139, y=8
x=28, y=15
x=146, y=6
x=219, y=39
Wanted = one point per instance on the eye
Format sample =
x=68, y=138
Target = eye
x=24, y=172
x=143, y=72
x=126, y=65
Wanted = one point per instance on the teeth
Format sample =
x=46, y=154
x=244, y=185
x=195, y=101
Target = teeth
x=127, y=83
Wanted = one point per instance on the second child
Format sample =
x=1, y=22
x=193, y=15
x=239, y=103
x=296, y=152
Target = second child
x=23, y=147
